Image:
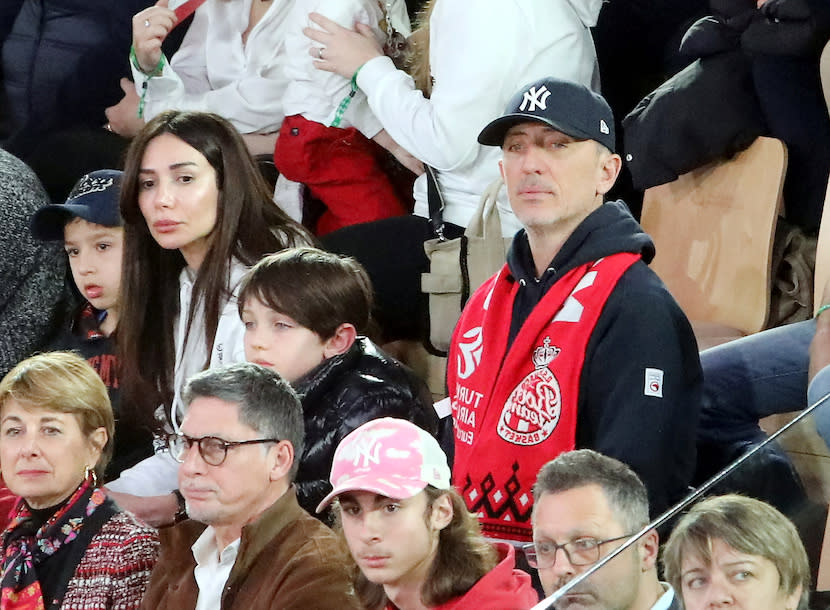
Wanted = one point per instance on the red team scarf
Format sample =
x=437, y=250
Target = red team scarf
x=515, y=411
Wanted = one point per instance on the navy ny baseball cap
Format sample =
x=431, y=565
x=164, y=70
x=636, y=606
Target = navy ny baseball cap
x=566, y=106
x=93, y=198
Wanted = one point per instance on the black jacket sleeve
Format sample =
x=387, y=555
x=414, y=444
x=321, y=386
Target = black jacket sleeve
x=641, y=387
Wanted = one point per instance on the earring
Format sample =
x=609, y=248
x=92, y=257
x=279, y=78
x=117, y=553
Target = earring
x=91, y=476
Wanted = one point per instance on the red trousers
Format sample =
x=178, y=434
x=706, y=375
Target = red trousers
x=341, y=168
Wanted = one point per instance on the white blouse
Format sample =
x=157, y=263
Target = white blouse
x=214, y=71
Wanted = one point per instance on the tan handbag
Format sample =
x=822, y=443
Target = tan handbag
x=457, y=267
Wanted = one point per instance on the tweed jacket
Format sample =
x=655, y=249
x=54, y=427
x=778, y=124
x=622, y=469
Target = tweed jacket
x=115, y=568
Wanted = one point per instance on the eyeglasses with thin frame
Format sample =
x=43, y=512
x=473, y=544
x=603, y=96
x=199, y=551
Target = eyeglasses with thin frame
x=213, y=449
x=580, y=552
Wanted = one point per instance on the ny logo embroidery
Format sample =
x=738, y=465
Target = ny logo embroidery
x=536, y=99
x=367, y=450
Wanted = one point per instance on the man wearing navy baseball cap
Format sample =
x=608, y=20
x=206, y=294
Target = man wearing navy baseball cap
x=575, y=342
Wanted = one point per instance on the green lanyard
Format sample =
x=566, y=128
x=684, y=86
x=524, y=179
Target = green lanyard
x=344, y=103
x=156, y=72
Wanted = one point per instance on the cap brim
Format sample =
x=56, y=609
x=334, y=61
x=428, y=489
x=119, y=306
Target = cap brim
x=371, y=484
x=494, y=132
x=48, y=222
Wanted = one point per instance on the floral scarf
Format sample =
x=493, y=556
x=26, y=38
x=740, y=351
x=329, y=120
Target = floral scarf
x=24, y=550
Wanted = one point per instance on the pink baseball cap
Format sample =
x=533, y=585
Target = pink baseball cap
x=387, y=456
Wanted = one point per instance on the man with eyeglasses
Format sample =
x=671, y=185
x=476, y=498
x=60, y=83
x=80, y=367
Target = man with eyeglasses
x=585, y=506
x=247, y=544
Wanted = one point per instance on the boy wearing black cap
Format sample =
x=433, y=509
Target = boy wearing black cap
x=89, y=224
x=575, y=342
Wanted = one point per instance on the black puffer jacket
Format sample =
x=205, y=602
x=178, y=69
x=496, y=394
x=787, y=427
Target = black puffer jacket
x=345, y=392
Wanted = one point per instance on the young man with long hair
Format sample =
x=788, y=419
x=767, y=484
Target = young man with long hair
x=414, y=543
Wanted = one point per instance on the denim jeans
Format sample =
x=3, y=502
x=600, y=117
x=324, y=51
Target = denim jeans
x=752, y=377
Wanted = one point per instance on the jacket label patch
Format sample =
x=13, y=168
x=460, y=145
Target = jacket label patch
x=654, y=383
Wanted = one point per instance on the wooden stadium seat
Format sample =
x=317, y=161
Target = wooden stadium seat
x=714, y=229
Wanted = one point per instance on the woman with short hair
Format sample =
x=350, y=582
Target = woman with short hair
x=738, y=551
x=68, y=545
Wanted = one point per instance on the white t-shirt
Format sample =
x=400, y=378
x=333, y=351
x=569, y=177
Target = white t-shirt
x=316, y=94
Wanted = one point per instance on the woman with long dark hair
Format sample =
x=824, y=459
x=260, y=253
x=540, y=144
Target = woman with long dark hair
x=197, y=215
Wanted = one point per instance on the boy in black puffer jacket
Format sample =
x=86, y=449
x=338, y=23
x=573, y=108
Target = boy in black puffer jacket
x=305, y=312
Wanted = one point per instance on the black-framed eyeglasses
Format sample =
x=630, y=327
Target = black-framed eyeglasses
x=213, y=449
x=580, y=552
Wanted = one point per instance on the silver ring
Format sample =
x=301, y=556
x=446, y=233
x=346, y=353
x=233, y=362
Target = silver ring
x=146, y=23
x=320, y=52
x=108, y=127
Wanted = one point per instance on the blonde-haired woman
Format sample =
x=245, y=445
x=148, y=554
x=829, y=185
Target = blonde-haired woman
x=738, y=552
x=68, y=545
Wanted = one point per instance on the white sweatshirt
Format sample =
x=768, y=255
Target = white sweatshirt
x=316, y=94
x=481, y=54
x=158, y=474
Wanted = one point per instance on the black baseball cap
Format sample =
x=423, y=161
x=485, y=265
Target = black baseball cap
x=566, y=106
x=93, y=198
